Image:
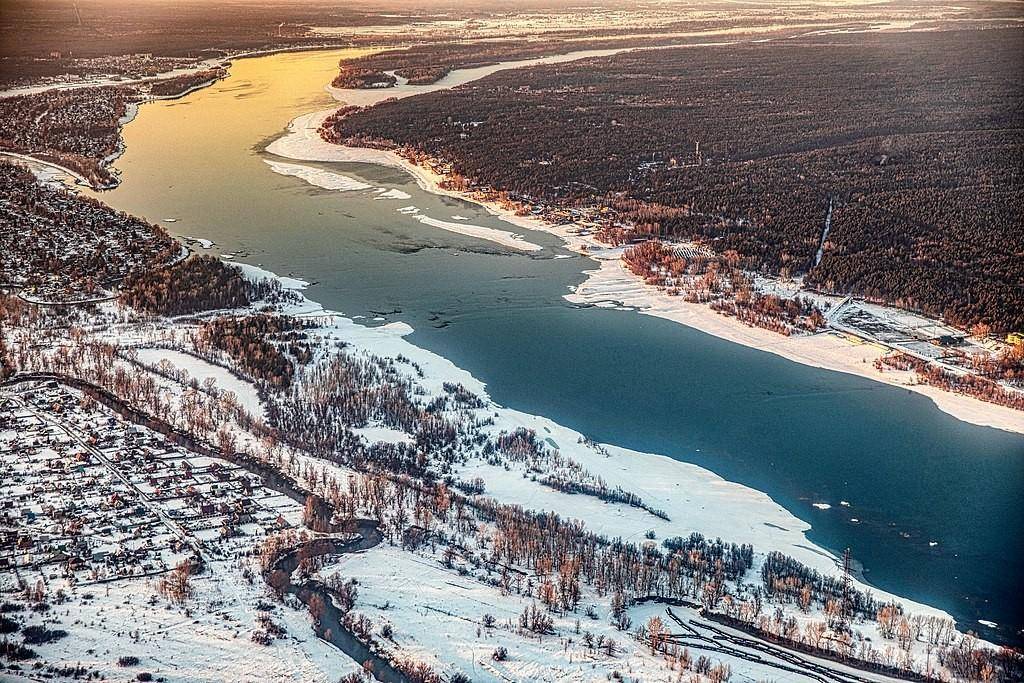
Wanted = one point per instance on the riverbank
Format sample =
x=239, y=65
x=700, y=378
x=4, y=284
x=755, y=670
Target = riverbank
x=694, y=499
x=314, y=233
x=222, y=64
x=611, y=283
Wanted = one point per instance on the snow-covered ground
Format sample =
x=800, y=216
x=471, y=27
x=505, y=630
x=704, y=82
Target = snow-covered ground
x=376, y=433
x=202, y=370
x=434, y=610
x=112, y=79
x=136, y=511
x=206, y=640
x=695, y=499
x=439, y=618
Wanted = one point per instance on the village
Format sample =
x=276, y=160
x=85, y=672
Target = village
x=96, y=248
x=94, y=498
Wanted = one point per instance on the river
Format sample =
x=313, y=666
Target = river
x=937, y=499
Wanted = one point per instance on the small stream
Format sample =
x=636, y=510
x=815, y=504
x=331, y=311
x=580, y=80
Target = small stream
x=329, y=626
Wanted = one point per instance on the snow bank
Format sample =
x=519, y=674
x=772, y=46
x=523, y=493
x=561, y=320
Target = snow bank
x=611, y=281
x=393, y=193
x=255, y=274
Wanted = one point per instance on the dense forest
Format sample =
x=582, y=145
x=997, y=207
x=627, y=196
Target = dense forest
x=747, y=147
x=172, y=87
x=200, y=283
x=261, y=345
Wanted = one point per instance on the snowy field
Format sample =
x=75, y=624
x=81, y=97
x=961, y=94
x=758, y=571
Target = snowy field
x=202, y=371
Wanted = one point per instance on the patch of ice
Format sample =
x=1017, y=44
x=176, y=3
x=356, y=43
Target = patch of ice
x=317, y=176
x=822, y=506
x=502, y=237
x=204, y=243
x=393, y=193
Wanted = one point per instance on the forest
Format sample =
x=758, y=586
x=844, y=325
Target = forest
x=746, y=147
x=426, y=63
x=172, y=87
x=200, y=283
x=264, y=346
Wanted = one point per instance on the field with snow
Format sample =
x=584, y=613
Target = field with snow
x=428, y=604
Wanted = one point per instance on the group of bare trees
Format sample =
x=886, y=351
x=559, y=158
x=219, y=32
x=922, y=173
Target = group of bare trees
x=979, y=387
x=199, y=283
x=265, y=347
x=498, y=542
x=718, y=280
x=176, y=584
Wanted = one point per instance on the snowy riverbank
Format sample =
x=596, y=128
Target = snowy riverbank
x=611, y=282
x=693, y=498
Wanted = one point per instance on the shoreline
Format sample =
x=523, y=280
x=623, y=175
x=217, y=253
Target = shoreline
x=611, y=282
x=731, y=496
x=828, y=350
x=695, y=498
x=107, y=163
x=210, y=62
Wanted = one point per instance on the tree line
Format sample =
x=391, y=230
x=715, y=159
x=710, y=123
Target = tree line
x=918, y=157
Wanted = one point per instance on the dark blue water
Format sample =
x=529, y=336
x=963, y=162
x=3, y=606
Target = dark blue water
x=912, y=474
